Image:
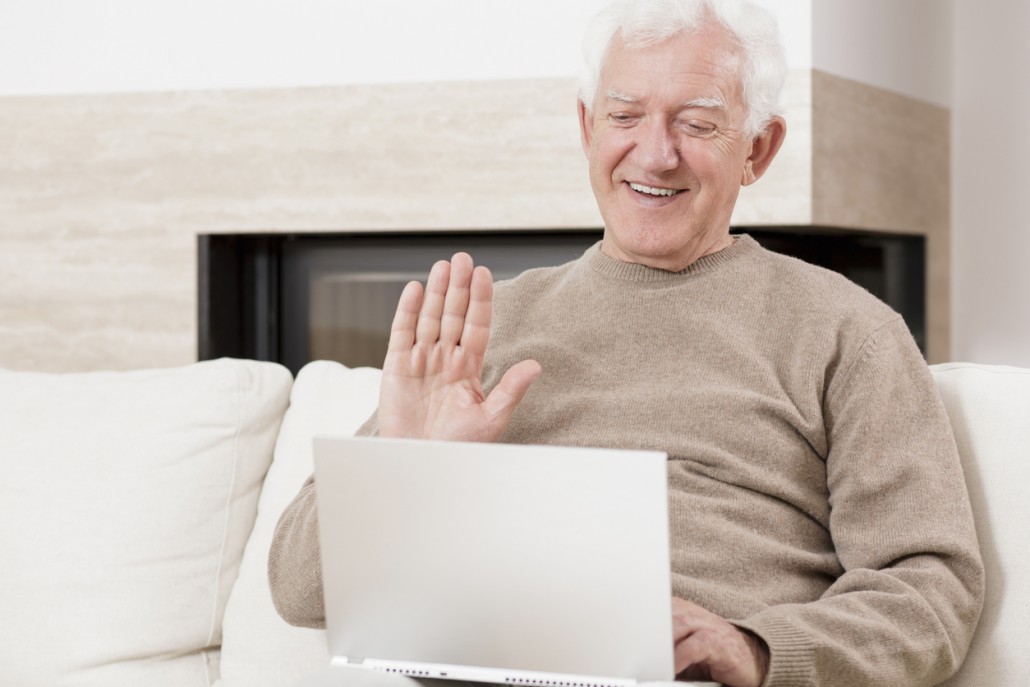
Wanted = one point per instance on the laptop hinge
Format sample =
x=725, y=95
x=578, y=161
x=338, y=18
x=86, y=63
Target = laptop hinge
x=525, y=678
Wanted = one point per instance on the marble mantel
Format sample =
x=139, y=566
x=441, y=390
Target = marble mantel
x=102, y=196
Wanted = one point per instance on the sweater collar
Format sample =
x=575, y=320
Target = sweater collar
x=627, y=271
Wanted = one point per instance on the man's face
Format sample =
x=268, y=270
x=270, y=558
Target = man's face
x=666, y=147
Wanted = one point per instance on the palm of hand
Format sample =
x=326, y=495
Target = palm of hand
x=432, y=377
x=438, y=395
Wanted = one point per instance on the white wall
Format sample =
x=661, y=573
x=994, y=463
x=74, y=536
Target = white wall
x=991, y=183
x=57, y=46
x=900, y=45
x=90, y=46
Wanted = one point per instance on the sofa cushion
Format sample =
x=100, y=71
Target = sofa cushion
x=125, y=504
x=989, y=407
x=259, y=649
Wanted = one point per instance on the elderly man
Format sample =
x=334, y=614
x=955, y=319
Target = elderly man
x=820, y=528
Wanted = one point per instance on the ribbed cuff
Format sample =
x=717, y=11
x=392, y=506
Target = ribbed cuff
x=791, y=654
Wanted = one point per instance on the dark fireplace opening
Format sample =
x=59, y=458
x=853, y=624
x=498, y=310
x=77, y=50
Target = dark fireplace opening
x=292, y=298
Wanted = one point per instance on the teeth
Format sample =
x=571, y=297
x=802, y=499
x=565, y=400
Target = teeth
x=653, y=191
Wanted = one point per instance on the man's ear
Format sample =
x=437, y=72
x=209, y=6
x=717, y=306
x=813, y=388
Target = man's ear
x=763, y=150
x=586, y=127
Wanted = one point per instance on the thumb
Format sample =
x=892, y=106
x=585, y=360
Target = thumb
x=509, y=392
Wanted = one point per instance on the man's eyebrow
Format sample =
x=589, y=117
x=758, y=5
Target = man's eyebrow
x=707, y=103
x=704, y=103
x=620, y=97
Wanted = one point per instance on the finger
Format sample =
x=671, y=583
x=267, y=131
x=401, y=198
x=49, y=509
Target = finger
x=476, y=334
x=680, y=628
x=706, y=656
x=402, y=331
x=720, y=656
x=456, y=303
x=428, y=328
x=691, y=628
x=509, y=392
x=688, y=617
x=695, y=653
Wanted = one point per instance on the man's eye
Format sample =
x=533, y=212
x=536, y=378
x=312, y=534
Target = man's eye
x=698, y=128
x=621, y=118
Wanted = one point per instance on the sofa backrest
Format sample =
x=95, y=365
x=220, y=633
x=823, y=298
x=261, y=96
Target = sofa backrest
x=989, y=407
x=125, y=504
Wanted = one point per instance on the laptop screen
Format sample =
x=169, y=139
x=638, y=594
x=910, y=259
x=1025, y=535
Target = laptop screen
x=501, y=557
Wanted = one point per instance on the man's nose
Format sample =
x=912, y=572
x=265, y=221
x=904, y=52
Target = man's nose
x=658, y=147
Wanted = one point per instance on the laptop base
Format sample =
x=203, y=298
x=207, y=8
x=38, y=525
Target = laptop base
x=355, y=675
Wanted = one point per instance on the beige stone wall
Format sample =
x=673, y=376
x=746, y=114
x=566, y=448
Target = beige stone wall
x=102, y=196
x=882, y=163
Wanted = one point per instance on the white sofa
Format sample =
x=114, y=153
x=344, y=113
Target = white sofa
x=136, y=511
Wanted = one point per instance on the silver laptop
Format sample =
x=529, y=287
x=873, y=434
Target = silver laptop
x=524, y=565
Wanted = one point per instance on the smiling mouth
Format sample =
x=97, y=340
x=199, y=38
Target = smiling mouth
x=653, y=191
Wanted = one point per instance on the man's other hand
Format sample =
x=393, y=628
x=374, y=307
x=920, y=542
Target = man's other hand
x=709, y=648
x=432, y=384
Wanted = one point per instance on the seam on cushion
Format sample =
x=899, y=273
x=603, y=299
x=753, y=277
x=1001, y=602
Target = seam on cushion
x=205, y=658
x=228, y=505
x=978, y=367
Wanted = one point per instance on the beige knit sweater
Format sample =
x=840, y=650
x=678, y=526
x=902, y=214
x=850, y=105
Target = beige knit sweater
x=815, y=492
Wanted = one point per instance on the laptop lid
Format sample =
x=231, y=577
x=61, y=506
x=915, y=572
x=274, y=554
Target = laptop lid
x=496, y=562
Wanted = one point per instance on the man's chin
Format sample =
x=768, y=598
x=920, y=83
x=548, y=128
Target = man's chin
x=662, y=248
x=648, y=254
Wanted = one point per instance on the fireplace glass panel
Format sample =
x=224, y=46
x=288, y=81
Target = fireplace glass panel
x=339, y=297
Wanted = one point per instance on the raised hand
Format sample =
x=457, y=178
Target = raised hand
x=432, y=384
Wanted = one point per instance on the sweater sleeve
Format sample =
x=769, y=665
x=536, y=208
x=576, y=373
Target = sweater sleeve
x=295, y=562
x=904, y=610
x=294, y=559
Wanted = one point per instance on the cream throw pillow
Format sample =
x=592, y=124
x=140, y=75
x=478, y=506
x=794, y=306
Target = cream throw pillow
x=258, y=648
x=125, y=503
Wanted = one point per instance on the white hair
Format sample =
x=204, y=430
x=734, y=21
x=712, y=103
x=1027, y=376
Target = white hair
x=642, y=23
